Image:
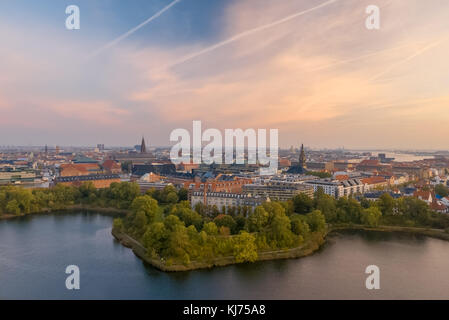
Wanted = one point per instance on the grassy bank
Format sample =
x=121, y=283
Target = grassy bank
x=309, y=247
x=434, y=233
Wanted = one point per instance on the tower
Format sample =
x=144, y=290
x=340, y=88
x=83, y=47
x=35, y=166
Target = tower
x=143, y=148
x=302, y=157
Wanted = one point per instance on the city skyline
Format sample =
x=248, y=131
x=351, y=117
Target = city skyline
x=318, y=75
x=130, y=146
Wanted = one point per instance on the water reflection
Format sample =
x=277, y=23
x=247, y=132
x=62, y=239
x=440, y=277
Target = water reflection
x=35, y=250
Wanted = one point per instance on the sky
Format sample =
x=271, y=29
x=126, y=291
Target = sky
x=309, y=68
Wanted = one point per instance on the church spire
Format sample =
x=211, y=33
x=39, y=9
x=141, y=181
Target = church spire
x=302, y=157
x=143, y=148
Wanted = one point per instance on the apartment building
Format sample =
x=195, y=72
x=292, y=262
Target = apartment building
x=225, y=199
x=281, y=191
x=338, y=188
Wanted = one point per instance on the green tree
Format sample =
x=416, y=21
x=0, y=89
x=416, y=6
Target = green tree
x=302, y=203
x=200, y=208
x=117, y=224
x=257, y=220
x=210, y=228
x=178, y=243
x=166, y=195
x=288, y=206
x=226, y=221
x=122, y=194
x=140, y=223
x=183, y=194
x=13, y=207
x=87, y=189
x=386, y=204
x=371, y=216
x=147, y=206
x=214, y=211
x=279, y=233
x=187, y=215
x=417, y=210
x=245, y=249
x=240, y=222
x=348, y=210
x=365, y=203
x=326, y=204
x=316, y=221
x=155, y=237
x=172, y=197
x=299, y=225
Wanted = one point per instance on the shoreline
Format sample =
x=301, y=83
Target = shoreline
x=305, y=250
x=308, y=248
x=429, y=232
x=75, y=207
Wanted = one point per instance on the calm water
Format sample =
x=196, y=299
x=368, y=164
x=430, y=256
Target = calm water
x=407, y=157
x=34, y=252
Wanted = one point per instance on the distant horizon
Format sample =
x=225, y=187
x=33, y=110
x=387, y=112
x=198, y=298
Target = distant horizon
x=281, y=148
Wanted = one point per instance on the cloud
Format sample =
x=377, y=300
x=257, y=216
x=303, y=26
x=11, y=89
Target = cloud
x=133, y=30
x=320, y=77
x=308, y=71
x=252, y=31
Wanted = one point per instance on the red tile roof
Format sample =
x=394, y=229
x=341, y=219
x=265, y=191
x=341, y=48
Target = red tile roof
x=111, y=164
x=369, y=163
x=374, y=180
x=424, y=195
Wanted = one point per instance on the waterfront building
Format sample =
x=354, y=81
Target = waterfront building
x=99, y=180
x=218, y=183
x=281, y=191
x=338, y=188
x=227, y=200
x=144, y=186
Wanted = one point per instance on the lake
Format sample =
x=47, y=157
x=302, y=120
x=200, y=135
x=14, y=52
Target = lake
x=35, y=250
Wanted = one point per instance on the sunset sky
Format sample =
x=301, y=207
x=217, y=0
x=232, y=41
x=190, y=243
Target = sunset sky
x=319, y=76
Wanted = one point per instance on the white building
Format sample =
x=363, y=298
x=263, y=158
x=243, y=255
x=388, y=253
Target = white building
x=220, y=199
x=337, y=188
